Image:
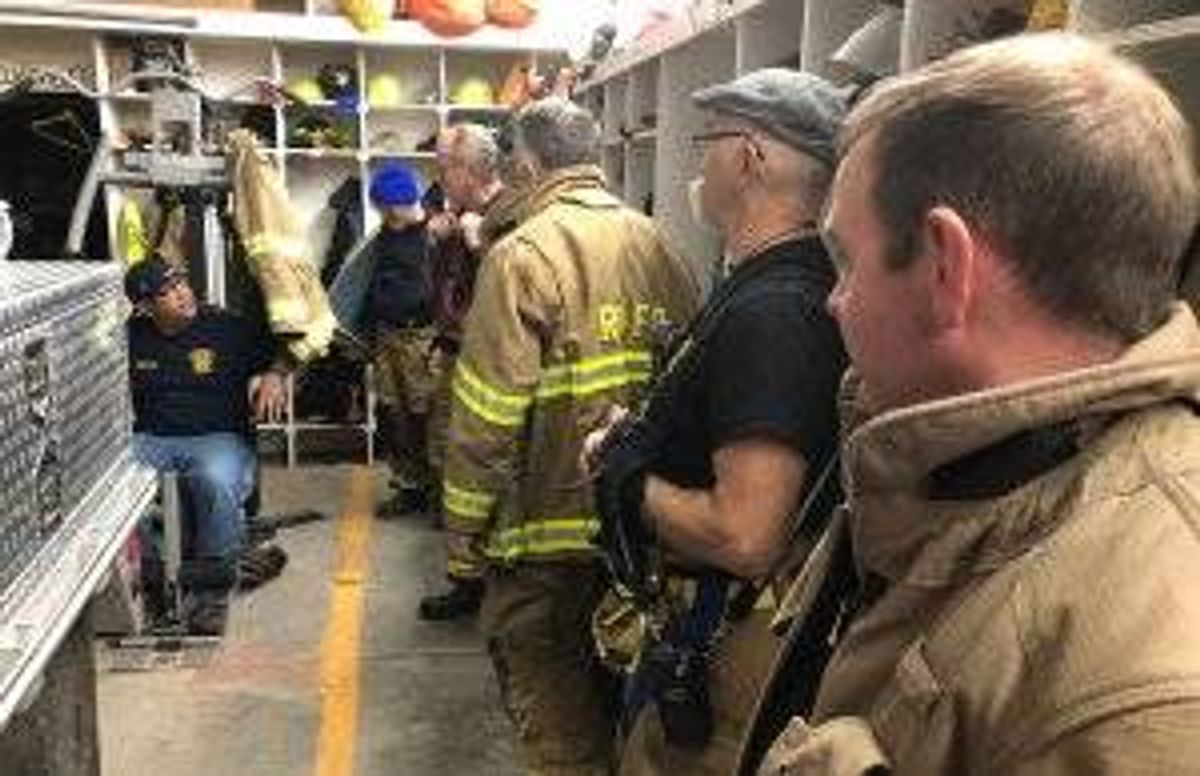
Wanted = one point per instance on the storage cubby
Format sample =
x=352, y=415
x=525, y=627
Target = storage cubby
x=827, y=24
x=301, y=67
x=769, y=36
x=116, y=57
x=321, y=127
x=311, y=181
x=228, y=69
x=934, y=28
x=475, y=78
x=639, y=175
x=417, y=73
x=612, y=160
x=641, y=103
x=615, y=105
x=25, y=56
x=593, y=100
x=494, y=117
x=401, y=131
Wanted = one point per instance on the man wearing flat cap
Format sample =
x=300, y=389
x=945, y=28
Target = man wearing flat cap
x=744, y=416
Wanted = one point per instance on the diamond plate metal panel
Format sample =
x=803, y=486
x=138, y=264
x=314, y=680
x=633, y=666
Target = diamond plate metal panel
x=65, y=414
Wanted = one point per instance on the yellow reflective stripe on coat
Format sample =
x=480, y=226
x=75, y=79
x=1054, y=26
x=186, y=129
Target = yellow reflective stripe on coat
x=579, y=379
x=288, y=310
x=495, y=405
x=544, y=537
x=594, y=375
x=467, y=503
x=463, y=569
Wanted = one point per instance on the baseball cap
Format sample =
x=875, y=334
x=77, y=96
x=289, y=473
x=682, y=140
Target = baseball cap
x=799, y=109
x=149, y=277
x=395, y=184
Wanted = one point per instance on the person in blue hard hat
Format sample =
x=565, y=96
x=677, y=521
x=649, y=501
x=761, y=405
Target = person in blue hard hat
x=399, y=319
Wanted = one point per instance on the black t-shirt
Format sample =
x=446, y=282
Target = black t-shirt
x=399, y=292
x=195, y=382
x=771, y=367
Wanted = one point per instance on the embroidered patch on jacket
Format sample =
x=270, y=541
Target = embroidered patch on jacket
x=204, y=360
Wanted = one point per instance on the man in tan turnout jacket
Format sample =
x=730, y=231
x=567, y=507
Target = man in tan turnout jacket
x=564, y=318
x=1013, y=586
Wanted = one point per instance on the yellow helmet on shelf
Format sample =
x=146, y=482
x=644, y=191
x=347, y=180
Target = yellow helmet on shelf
x=306, y=89
x=384, y=91
x=474, y=90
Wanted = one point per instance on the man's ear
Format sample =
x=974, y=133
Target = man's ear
x=951, y=250
x=754, y=160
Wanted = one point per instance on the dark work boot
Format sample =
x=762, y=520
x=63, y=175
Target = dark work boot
x=461, y=600
x=407, y=501
x=259, y=565
x=206, y=612
x=207, y=584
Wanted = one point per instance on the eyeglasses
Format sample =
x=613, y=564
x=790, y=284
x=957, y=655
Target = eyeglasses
x=701, y=138
x=718, y=134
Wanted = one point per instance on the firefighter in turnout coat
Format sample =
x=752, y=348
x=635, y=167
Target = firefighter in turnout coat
x=561, y=329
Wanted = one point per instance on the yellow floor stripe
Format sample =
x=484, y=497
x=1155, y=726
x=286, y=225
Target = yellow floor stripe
x=343, y=633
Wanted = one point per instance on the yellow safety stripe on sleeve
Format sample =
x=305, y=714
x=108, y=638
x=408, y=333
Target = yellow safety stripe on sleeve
x=545, y=537
x=463, y=569
x=494, y=405
x=593, y=375
x=290, y=310
x=464, y=502
x=579, y=379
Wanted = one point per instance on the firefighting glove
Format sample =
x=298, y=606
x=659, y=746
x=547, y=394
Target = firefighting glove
x=623, y=461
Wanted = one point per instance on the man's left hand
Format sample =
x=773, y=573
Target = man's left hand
x=268, y=396
x=593, y=443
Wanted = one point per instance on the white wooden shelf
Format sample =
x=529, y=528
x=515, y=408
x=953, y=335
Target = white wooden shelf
x=1180, y=30
x=479, y=110
x=267, y=27
x=322, y=153
x=128, y=97
x=413, y=108
x=420, y=156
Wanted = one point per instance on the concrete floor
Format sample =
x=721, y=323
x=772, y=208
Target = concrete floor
x=428, y=702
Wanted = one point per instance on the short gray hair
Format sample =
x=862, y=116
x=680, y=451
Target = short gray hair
x=1070, y=159
x=473, y=146
x=557, y=133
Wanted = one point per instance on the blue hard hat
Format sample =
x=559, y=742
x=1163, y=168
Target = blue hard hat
x=395, y=184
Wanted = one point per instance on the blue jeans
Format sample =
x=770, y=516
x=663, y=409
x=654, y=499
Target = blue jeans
x=216, y=477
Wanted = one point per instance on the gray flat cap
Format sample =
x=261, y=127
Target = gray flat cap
x=799, y=109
